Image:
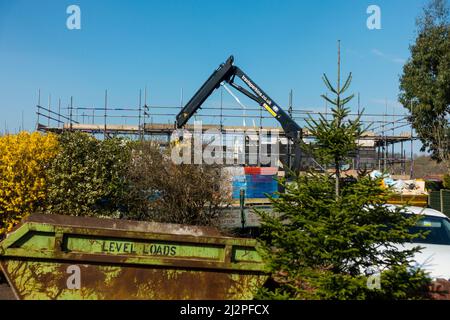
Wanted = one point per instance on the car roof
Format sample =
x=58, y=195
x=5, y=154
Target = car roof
x=420, y=210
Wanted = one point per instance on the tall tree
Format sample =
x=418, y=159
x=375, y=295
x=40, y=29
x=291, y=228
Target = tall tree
x=335, y=139
x=425, y=82
x=325, y=240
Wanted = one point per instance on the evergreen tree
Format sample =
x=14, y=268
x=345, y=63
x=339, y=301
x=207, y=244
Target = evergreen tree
x=336, y=139
x=331, y=241
x=425, y=81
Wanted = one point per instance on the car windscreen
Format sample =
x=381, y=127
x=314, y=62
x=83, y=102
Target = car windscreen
x=438, y=230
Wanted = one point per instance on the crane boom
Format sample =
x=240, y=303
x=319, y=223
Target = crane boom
x=227, y=72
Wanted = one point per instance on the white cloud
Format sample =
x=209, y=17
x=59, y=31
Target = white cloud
x=355, y=53
x=388, y=57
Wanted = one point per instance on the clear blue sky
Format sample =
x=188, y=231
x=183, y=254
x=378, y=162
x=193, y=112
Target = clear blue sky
x=168, y=45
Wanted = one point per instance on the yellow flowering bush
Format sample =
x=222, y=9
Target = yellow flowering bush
x=24, y=158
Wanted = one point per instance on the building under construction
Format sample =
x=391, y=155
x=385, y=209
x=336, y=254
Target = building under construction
x=386, y=146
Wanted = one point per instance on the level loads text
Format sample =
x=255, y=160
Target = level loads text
x=134, y=248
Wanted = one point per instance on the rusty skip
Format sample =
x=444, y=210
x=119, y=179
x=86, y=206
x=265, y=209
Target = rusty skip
x=63, y=257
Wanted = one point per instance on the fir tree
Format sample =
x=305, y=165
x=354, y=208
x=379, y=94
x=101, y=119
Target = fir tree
x=330, y=241
x=335, y=139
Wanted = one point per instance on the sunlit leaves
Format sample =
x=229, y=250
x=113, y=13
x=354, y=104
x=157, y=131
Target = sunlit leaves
x=425, y=82
x=87, y=177
x=24, y=158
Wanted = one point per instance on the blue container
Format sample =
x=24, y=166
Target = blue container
x=255, y=185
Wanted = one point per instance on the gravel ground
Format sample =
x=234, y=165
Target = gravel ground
x=5, y=292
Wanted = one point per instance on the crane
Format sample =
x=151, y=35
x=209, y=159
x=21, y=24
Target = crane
x=228, y=72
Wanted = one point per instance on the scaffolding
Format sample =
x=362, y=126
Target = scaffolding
x=383, y=147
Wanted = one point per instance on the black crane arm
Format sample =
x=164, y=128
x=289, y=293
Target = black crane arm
x=227, y=72
x=290, y=127
x=223, y=73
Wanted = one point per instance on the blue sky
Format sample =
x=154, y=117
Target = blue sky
x=124, y=46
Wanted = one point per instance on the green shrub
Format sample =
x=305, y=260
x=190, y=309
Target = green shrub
x=320, y=247
x=446, y=181
x=87, y=177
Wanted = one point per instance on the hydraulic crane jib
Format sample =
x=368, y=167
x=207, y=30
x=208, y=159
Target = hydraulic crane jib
x=227, y=72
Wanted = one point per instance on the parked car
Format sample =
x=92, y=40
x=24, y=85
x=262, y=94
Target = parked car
x=434, y=258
